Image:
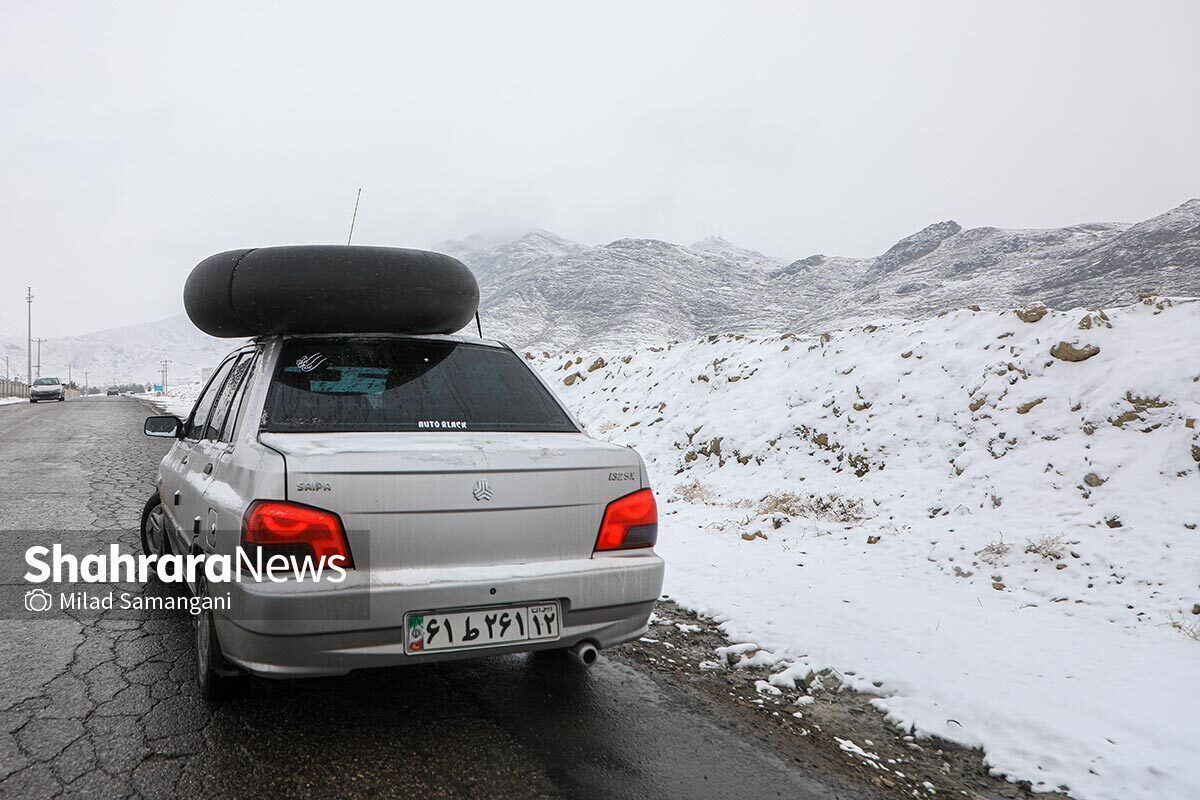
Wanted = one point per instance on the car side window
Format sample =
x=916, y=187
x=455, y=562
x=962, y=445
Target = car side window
x=198, y=421
x=235, y=411
x=221, y=417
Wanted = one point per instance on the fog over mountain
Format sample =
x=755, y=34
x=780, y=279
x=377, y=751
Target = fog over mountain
x=540, y=290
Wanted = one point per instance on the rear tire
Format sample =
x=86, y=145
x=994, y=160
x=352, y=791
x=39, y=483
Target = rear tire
x=154, y=528
x=211, y=666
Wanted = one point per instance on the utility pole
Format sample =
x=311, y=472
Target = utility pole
x=39, y=361
x=164, y=364
x=85, y=383
x=29, y=334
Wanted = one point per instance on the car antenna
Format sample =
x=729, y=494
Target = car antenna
x=477, y=325
x=355, y=216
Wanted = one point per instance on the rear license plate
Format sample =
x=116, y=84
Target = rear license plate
x=431, y=632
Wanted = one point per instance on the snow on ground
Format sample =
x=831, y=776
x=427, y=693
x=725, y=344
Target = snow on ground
x=4, y=401
x=177, y=400
x=1001, y=544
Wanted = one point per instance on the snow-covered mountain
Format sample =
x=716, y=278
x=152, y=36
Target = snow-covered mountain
x=541, y=290
x=129, y=354
x=544, y=291
x=1159, y=255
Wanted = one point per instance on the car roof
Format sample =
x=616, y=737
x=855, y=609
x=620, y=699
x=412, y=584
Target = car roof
x=437, y=337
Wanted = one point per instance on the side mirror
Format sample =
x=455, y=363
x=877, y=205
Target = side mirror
x=164, y=427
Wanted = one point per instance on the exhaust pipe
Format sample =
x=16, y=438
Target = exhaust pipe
x=584, y=653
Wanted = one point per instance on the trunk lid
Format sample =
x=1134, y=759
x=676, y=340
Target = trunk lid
x=447, y=499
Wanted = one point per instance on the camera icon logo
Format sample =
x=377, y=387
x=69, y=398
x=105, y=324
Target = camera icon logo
x=38, y=600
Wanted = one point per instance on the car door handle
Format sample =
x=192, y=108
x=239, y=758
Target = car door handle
x=183, y=460
x=208, y=469
x=177, y=495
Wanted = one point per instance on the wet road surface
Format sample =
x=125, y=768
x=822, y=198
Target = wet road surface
x=104, y=704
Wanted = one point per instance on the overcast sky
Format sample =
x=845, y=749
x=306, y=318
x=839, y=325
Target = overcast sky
x=137, y=138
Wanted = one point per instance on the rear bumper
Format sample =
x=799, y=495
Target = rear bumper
x=294, y=630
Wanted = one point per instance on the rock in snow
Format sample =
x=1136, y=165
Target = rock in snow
x=1066, y=351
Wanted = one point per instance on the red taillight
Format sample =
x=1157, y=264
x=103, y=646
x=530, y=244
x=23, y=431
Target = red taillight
x=629, y=522
x=280, y=528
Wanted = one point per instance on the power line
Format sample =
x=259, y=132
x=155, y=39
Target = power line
x=8, y=328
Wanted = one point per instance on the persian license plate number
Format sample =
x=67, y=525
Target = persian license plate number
x=482, y=627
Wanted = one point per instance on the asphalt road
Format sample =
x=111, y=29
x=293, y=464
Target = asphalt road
x=104, y=704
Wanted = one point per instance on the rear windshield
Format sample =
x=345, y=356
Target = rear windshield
x=406, y=385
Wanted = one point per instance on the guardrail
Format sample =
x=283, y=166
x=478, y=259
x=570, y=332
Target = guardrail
x=13, y=389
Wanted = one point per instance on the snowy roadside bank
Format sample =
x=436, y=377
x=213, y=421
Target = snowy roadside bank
x=973, y=517
x=177, y=400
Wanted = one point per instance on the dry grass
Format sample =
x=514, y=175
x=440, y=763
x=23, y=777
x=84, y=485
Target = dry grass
x=725, y=524
x=693, y=491
x=1189, y=629
x=1050, y=546
x=831, y=507
x=994, y=552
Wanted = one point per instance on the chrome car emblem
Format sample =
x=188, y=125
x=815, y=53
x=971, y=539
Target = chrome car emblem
x=483, y=491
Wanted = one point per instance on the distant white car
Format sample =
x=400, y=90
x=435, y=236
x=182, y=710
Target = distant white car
x=47, y=389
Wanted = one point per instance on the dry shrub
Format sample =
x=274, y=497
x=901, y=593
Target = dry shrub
x=1189, y=629
x=994, y=552
x=832, y=507
x=1049, y=546
x=693, y=491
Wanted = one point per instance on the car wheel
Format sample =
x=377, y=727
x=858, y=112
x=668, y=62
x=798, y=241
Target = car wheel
x=32, y=400
x=154, y=528
x=211, y=667
x=61, y=399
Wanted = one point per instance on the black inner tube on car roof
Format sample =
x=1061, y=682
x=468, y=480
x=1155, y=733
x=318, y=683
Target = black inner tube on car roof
x=330, y=289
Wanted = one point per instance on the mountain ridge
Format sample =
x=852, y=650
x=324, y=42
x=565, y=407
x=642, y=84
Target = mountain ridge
x=671, y=291
x=541, y=290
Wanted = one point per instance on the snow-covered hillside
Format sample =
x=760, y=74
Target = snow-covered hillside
x=542, y=290
x=988, y=519
x=129, y=354
x=178, y=399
